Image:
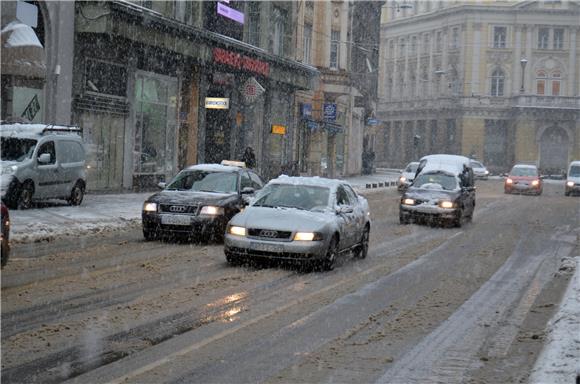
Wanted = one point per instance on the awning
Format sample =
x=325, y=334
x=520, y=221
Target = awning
x=22, y=53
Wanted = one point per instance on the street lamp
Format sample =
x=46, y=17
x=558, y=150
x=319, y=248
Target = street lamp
x=523, y=62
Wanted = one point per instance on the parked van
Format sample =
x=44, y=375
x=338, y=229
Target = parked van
x=573, y=178
x=40, y=161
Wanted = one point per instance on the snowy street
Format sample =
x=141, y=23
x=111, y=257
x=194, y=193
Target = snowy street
x=473, y=304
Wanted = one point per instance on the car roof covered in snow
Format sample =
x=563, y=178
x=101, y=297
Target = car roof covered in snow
x=33, y=131
x=453, y=164
x=530, y=166
x=311, y=181
x=213, y=168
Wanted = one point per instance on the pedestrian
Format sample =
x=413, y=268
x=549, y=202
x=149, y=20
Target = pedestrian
x=249, y=158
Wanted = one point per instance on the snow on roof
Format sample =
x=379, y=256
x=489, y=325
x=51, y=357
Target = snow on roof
x=529, y=166
x=21, y=35
x=213, y=168
x=28, y=130
x=452, y=164
x=312, y=181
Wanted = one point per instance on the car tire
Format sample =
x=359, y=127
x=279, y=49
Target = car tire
x=404, y=219
x=231, y=259
x=363, y=247
x=5, y=252
x=76, y=195
x=150, y=235
x=330, y=256
x=457, y=222
x=25, y=196
x=567, y=193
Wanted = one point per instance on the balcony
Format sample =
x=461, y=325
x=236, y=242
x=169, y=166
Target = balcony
x=554, y=102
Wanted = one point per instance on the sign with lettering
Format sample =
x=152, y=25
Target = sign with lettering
x=252, y=90
x=32, y=109
x=230, y=13
x=239, y=61
x=279, y=129
x=217, y=103
x=329, y=111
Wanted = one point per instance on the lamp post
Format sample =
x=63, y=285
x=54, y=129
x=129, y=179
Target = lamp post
x=523, y=62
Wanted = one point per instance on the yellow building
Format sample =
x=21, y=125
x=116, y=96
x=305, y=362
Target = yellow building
x=495, y=80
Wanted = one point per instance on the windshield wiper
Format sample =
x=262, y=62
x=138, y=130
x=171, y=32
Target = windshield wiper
x=263, y=205
x=292, y=206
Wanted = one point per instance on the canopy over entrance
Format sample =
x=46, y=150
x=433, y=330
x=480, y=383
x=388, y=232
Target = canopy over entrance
x=22, y=52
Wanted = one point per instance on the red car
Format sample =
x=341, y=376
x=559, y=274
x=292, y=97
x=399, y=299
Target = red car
x=524, y=178
x=4, y=233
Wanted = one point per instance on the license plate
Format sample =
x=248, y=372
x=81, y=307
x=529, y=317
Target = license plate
x=267, y=247
x=175, y=220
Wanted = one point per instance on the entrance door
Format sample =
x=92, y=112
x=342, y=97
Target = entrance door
x=217, y=138
x=554, y=150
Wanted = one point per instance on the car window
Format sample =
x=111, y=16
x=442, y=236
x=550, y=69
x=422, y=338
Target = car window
x=342, y=197
x=524, y=171
x=16, y=149
x=70, y=152
x=205, y=181
x=48, y=147
x=245, y=180
x=257, y=183
x=574, y=171
x=351, y=194
x=476, y=164
x=436, y=181
x=411, y=168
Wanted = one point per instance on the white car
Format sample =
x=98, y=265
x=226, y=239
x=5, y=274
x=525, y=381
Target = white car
x=479, y=170
x=573, y=178
x=407, y=176
x=300, y=219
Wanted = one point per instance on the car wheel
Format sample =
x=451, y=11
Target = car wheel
x=363, y=247
x=457, y=222
x=26, y=193
x=404, y=219
x=231, y=259
x=330, y=257
x=5, y=251
x=150, y=234
x=76, y=195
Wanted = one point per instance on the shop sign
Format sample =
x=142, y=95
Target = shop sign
x=32, y=109
x=329, y=111
x=238, y=61
x=312, y=125
x=217, y=103
x=230, y=13
x=279, y=129
x=306, y=110
x=372, y=121
x=252, y=90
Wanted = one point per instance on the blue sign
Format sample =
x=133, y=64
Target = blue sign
x=306, y=110
x=312, y=125
x=371, y=121
x=329, y=111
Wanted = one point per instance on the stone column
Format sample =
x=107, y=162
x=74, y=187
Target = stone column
x=395, y=68
x=431, y=69
x=476, y=60
x=572, y=64
x=529, y=67
x=418, y=78
x=517, y=68
x=444, y=83
x=407, y=93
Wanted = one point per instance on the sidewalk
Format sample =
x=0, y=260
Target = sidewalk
x=111, y=212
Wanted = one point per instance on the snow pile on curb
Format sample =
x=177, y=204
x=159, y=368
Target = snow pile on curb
x=559, y=361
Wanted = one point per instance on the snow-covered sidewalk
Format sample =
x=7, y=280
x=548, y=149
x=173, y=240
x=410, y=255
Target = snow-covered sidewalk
x=109, y=212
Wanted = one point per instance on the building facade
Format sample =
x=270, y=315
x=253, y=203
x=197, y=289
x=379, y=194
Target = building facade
x=497, y=81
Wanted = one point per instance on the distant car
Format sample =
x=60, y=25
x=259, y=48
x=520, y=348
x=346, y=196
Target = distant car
x=443, y=191
x=573, y=179
x=301, y=219
x=524, y=178
x=407, y=176
x=199, y=201
x=4, y=233
x=479, y=170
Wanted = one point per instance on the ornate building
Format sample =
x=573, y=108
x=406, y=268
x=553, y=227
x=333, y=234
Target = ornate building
x=498, y=81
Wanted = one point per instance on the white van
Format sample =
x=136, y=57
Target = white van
x=573, y=178
x=40, y=161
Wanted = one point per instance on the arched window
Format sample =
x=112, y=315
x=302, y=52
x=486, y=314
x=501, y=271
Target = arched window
x=548, y=84
x=497, y=82
x=556, y=83
x=541, y=82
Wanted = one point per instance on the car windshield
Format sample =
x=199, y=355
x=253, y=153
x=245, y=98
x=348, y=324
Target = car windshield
x=16, y=149
x=574, y=171
x=293, y=196
x=411, y=168
x=436, y=181
x=476, y=164
x=205, y=181
x=524, y=171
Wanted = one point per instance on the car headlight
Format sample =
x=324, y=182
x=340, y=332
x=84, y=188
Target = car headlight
x=570, y=183
x=238, y=231
x=535, y=183
x=150, y=207
x=307, y=236
x=211, y=210
x=402, y=179
x=446, y=204
x=9, y=170
x=486, y=173
x=508, y=181
x=408, y=202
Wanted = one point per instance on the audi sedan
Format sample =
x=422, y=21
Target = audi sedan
x=524, y=178
x=310, y=220
x=199, y=201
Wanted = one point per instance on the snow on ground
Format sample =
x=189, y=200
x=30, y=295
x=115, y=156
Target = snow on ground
x=559, y=361
x=103, y=213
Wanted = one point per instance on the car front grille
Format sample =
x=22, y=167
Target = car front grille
x=269, y=234
x=179, y=209
x=275, y=255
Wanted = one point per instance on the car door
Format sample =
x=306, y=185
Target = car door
x=48, y=175
x=346, y=218
x=358, y=213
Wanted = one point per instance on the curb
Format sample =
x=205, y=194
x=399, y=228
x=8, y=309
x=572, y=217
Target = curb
x=381, y=185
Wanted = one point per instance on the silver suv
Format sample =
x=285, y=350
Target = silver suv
x=41, y=161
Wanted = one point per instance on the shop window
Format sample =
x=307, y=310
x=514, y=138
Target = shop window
x=497, y=82
x=307, y=43
x=543, y=38
x=558, y=38
x=499, y=37
x=105, y=78
x=334, y=49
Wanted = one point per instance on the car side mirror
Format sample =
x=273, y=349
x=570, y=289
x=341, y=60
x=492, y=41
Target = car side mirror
x=44, y=158
x=344, y=209
x=248, y=191
x=162, y=184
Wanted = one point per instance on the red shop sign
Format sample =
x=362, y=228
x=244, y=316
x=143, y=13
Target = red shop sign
x=240, y=61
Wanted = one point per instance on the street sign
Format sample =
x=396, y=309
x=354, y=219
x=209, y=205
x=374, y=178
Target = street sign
x=217, y=103
x=32, y=109
x=251, y=90
x=330, y=111
x=372, y=121
x=306, y=110
x=279, y=129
